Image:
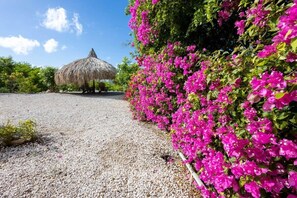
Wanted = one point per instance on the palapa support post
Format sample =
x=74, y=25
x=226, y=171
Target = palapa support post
x=94, y=86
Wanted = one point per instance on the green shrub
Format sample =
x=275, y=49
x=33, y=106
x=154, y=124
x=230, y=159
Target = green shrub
x=111, y=86
x=18, y=77
x=125, y=70
x=68, y=88
x=4, y=90
x=48, y=78
x=11, y=134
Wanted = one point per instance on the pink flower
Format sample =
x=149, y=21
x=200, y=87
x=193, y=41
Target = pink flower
x=241, y=14
x=196, y=82
x=259, y=14
x=291, y=57
x=214, y=85
x=292, y=179
x=264, y=92
x=207, y=193
x=253, y=188
x=256, y=84
x=263, y=138
x=223, y=15
x=237, y=82
x=287, y=31
x=144, y=29
x=250, y=113
x=276, y=80
x=237, y=171
x=273, y=184
x=155, y=1
x=223, y=182
x=288, y=149
x=293, y=95
x=291, y=196
x=191, y=48
x=267, y=51
x=267, y=106
x=240, y=26
x=268, y=184
x=233, y=145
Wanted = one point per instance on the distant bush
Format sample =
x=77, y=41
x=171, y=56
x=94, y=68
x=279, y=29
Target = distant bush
x=48, y=78
x=17, y=77
x=125, y=71
x=14, y=135
x=111, y=86
x=4, y=90
x=68, y=88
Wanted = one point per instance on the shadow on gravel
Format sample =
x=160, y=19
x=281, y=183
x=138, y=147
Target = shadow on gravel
x=38, y=147
x=104, y=95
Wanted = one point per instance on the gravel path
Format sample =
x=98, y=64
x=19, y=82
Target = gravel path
x=90, y=147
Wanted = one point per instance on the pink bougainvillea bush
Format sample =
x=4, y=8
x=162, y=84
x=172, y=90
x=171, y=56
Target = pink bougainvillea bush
x=231, y=107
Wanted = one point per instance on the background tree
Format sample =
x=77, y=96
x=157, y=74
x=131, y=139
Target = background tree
x=48, y=77
x=125, y=70
x=23, y=78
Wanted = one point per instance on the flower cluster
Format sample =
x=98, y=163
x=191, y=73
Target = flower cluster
x=141, y=24
x=287, y=26
x=259, y=14
x=271, y=87
x=227, y=7
x=233, y=118
x=159, y=87
x=209, y=137
x=240, y=26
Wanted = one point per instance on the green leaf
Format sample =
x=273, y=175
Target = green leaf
x=281, y=47
x=294, y=120
x=279, y=95
x=294, y=44
x=288, y=33
x=283, y=116
x=232, y=159
x=242, y=181
x=282, y=58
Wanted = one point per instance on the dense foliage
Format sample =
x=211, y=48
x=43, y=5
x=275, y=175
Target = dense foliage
x=221, y=77
x=23, y=78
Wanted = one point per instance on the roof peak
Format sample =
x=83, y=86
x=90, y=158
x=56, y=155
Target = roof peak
x=92, y=53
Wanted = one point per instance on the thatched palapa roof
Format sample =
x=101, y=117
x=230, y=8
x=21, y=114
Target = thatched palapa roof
x=84, y=70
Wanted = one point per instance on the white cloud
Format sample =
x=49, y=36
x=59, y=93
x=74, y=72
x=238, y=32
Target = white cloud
x=77, y=26
x=51, y=46
x=19, y=45
x=56, y=19
x=63, y=47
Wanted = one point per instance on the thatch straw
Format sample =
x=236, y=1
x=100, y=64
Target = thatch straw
x=84, y=70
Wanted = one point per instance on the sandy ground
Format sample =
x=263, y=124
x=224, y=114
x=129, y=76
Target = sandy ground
x=89, y=147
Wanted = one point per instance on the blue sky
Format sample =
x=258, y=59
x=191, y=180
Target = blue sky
x=57, y=32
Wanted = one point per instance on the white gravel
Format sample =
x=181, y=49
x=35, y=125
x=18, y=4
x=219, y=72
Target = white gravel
x=90, y=147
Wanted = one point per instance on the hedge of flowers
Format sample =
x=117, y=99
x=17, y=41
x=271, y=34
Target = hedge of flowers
x=232, y=113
